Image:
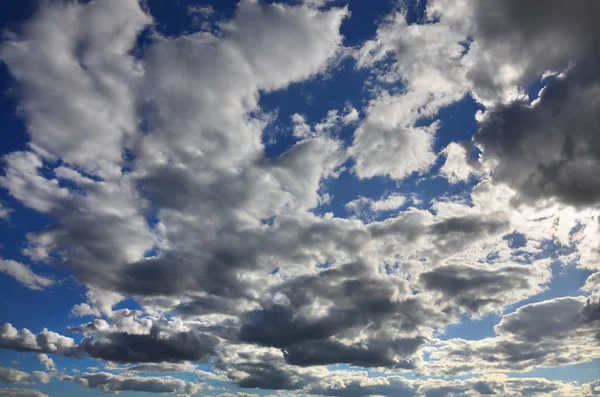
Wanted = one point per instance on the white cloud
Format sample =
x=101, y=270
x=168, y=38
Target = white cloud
x=46, y=361
x=79, y=53
x=14, y=392
x=387, y=144
x=24, y=275
x=362, y=205
x=458, y=166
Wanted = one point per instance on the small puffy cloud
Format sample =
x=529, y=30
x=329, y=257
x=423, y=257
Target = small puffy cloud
x=46, y=361
x=387, y=143
x=329, y=125
x=458, y=165
x=4, y=212
x=362, y=205
x=485, y=288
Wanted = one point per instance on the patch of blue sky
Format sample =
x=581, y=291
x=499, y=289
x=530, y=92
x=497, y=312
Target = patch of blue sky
x=457, y=122
x=566, y=281
x=25, y=308
x=470, y=328
x=181, y=17
x=312, y=99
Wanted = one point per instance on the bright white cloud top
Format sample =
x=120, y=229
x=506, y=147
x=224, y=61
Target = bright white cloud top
x=211, y=210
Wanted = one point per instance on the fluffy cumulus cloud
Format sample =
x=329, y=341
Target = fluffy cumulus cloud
x=217, y=241
x=24, y=340
x=11, y=375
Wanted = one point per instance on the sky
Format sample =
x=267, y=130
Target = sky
x=299, y=198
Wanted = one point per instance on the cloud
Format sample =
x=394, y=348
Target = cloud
x=485, y=288
x=548, y=149
x=552, y=333
x=46, y=361
x=162, y=367
x=427, y=61
x=7, y=392
x=524, y=41
x=4, y=212
x=24, y=340
x=153, y=166
x=592, y=284
x=14, y=376
x=123, y=347
x=10, y=375
x=24, y=275
x=364, y=206
x=209, y=82
x=458, y=165
x=337, y=304
x=387, y=144
x=111, y=383
x=80, y=53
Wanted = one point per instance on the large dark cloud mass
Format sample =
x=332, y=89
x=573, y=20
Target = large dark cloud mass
x=549, y=148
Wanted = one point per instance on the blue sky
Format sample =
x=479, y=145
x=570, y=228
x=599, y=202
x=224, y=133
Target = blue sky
x=338, y=198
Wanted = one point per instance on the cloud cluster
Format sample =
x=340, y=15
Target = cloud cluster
x=153, y=165
x=550, y=333
x=14, y=376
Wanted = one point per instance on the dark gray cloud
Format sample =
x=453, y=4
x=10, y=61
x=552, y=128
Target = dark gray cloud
x=352, y=299
x=395, y=353
x=267, y=376
x=176, y=346
x=484, y=287
x=209, y=305
x=483, y=388
x=112, y=383
x=548, y=149
x=162, y=343
x=532, y=36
